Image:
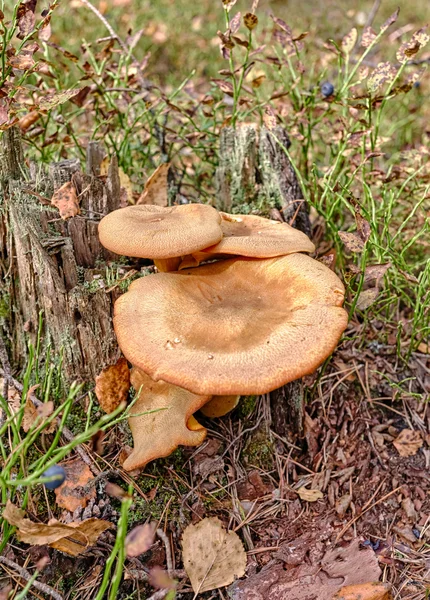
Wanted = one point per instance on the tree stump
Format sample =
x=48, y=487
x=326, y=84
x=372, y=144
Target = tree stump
x=53, y=267
x=255, y=173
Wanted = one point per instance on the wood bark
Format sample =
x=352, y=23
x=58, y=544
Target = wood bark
x=50, y=267
x=255, y=172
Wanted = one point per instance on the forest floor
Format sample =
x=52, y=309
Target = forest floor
x=347, y=502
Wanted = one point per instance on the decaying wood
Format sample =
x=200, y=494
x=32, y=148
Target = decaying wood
x=255, y=172
x=51, y=265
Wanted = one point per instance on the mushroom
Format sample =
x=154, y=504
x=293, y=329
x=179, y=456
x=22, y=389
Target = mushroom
x=218, y=406
x=252, y=236
x=160, y=233
x=240, y=326
x=161, y=420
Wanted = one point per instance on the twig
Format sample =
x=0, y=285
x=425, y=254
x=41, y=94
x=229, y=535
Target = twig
x=365, y=509
x=166, y=543
x=42, y=587
x=66, y=433
x=144, y=83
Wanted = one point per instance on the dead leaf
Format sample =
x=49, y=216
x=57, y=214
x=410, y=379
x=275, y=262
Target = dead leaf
x=28, y=120
x=410, y=48
x=112, y=385
x=155, y=191
x=66, y=200
x=26, y=18
x=250, y=20
x=235, y=23
x=423, y=348
x=349, y=41
x=365, y=591
x=159, y=578
x=375, y=273
x=367, y=298
x=70, y=494
x=52, y=100
x=342, y=504
x=384, y=73
x=23, y=61
x=391, y=20
x=34, y=417
x=213, y=557
x=408, y=442
x=309, y=495
x=73, y=539
x=352, y=241
x=368, y=37
x=115, y=491
x=269, y=117
x=140, y=539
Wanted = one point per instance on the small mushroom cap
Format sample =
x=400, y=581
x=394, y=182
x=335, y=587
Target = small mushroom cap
x=170, y=424
x=253, y=236
x=240, y=326
x=148, y=231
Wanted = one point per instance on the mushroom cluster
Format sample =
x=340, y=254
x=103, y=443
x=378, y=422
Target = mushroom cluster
x=257, y=314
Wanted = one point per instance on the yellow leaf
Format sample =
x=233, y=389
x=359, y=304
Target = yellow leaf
x=309, y=495
x=408, y=442
x=213, y=557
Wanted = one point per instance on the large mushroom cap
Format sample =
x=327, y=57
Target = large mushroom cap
x=148, y=231
x=233, y=327
x=161, y=420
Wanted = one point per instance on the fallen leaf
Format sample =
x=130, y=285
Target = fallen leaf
x=155, y=191
x=140, y=539
x=408, y=442
x=66, y=200
x=115, y=491
x=367, y=298
x=112, y=385
x=309, y=495
x=73, y=539
x=352, y=241
x=28, y=120
x=33, y=417
x=213, y=557
x=424, y=348
x=365, y=591
x=159, y=578
x=342, y=504
x=70, y=494
x=269, y=117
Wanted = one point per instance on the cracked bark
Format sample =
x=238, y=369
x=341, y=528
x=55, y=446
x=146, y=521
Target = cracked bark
x=49, y=265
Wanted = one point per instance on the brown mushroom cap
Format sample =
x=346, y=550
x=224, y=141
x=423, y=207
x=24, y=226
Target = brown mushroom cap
x=240, y=326
x=159, y=433
x=253, y=236
x=148, y=231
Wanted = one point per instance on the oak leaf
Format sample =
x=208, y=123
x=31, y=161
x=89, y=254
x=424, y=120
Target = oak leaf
x=72, y=494
x=112, y=385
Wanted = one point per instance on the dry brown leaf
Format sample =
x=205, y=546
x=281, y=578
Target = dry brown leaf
x=155, y=191
x=365, y=591
x=383, y=73
x=33, y=417
x=28, y=120
x=26, y=18
x=349, y=41
x=23, y=61
x=424, y=348
x=213, y=557
x=309, y=495
x=66, y=200
x=140, y=539
x=367, y=298
x=70, y=494
x=72, y=539
x=269, y=118
x=408, y=442
x=112, y=385
x=352, y=241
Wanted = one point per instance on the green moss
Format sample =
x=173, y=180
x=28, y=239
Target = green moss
x=259, y=451
x=246, y=406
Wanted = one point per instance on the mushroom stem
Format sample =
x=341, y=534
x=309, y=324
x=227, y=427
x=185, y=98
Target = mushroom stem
x=218, y=406
x=165, y=265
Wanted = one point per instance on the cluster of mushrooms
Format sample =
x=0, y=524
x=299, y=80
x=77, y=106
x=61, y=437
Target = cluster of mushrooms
x=255, y=315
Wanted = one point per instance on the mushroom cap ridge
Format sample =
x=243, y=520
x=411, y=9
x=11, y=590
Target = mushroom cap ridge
x=149, y=231
x=240, y=326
